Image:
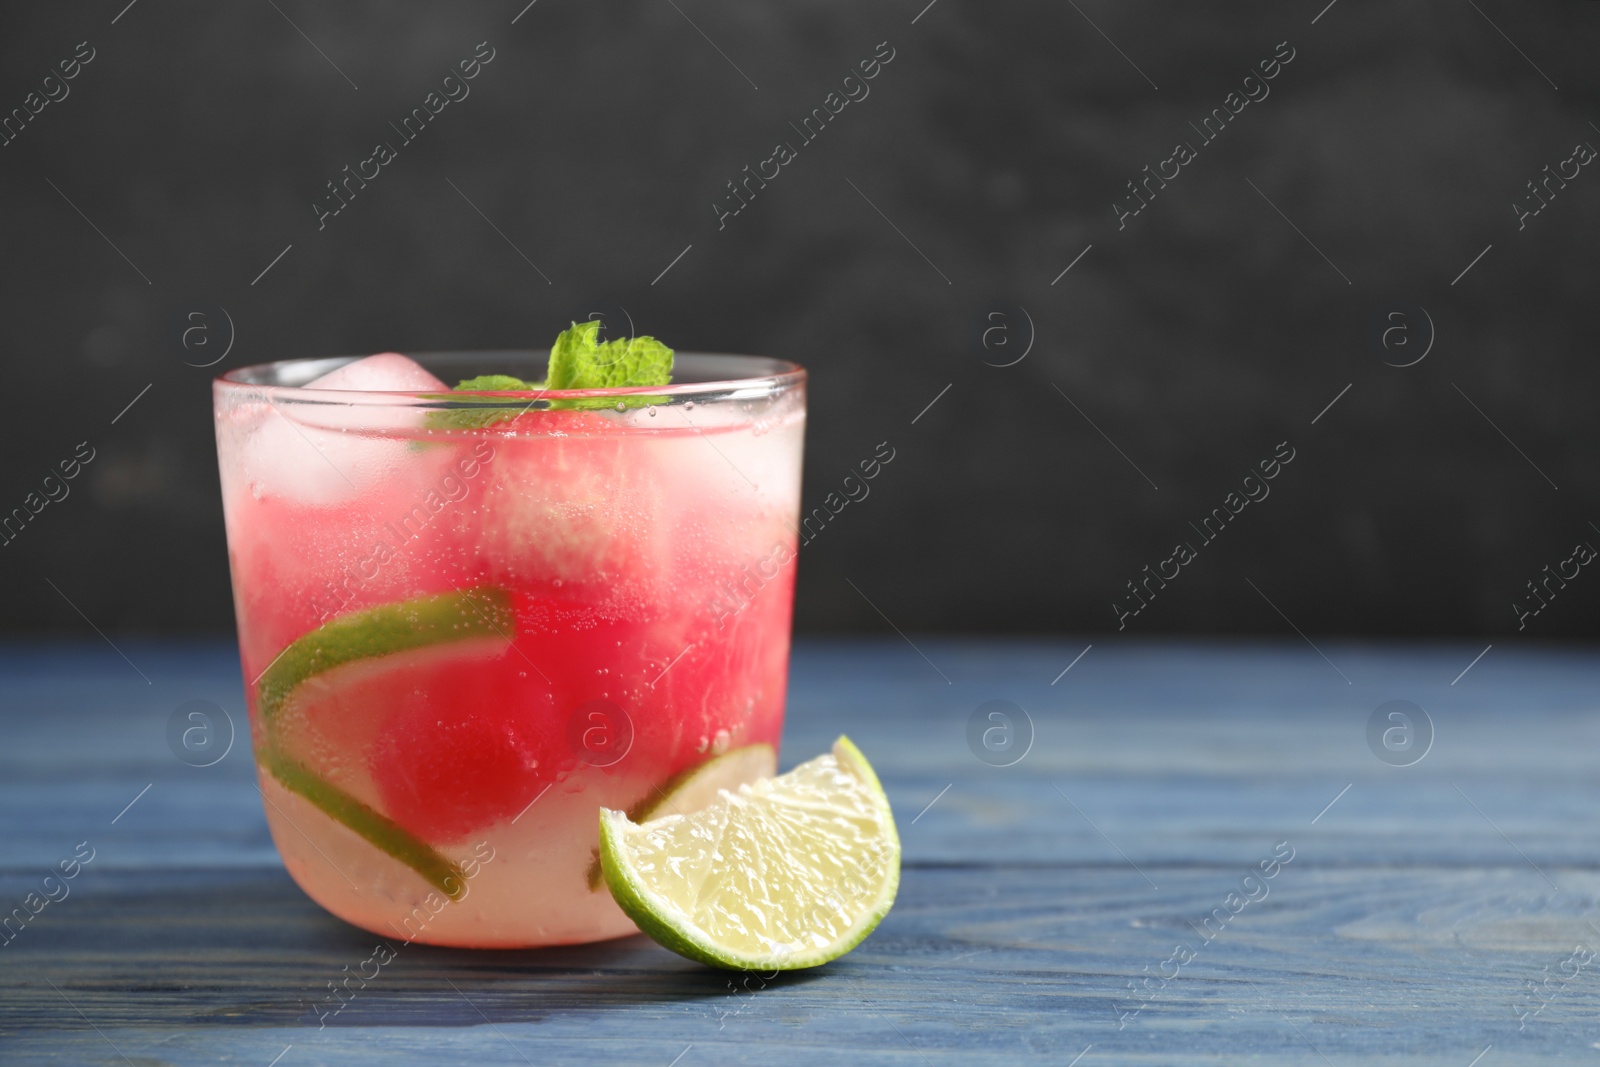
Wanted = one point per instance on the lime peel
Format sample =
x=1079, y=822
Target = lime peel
x=381, y=631
x=362, y=635
x=378, y=830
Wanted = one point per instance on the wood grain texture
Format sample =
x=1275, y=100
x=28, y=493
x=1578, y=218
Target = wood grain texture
x=1036, y=901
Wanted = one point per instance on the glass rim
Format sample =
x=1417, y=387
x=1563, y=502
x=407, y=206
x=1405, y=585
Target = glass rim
x=779, y=375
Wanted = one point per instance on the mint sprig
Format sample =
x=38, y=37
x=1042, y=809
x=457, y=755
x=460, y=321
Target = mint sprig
x=498, y=383
x=465, y=418
x=578, y=360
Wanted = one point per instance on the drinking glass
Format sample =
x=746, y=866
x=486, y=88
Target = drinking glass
x=469, y=620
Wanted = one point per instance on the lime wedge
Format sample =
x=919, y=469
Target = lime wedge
x=696, y=788
x=357, y=639
x=786, y=873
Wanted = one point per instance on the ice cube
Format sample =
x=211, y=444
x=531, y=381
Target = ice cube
x=326, y=453
x=575, y=502
x=385, y=372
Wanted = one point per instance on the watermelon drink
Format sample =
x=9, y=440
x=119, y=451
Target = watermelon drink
x=468, y=619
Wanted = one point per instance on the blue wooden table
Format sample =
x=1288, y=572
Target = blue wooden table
x=1204, y=856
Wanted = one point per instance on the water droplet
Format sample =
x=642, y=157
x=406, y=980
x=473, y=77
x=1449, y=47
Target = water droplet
x=651, y=412
x=621, y=406
x=702, y=744
x=556, y=582
x=688, y=405
x=719, y=744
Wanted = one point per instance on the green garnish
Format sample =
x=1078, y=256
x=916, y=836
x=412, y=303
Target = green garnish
x=382, y=832
x=498, y=383
x=384, y=630
x=465, y=418
x=381, y=631
x=578, y=360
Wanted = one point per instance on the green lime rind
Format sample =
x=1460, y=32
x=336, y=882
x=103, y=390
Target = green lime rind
x=375, y=632
x=382, y=631
x=634, y=898
x=381, y=832
x=731, y=769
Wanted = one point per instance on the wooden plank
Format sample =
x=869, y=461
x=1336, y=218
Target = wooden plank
x=1405, y=928
x=1415, y=966
x=1011, y=961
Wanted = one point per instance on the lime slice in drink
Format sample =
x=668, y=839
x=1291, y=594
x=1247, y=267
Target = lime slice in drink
x=785, y=873
x=337, y=721
x=382, y=631
x=438, y=870
x=322, y=702
x=696, y=788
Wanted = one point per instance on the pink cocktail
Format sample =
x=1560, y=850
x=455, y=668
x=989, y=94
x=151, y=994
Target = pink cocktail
x=469, y=620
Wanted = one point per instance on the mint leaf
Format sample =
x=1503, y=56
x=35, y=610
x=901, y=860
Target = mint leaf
x=573, y=350
x=579, y=361
x=463, y=418
x=497, y=383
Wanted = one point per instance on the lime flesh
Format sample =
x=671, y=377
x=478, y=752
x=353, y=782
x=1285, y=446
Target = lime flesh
x=695, y=788
x=782, y=874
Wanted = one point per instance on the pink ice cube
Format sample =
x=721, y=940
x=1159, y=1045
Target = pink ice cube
x=388, y=372
x=321, y=453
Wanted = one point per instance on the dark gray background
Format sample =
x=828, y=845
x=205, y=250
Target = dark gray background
x=996, y=141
